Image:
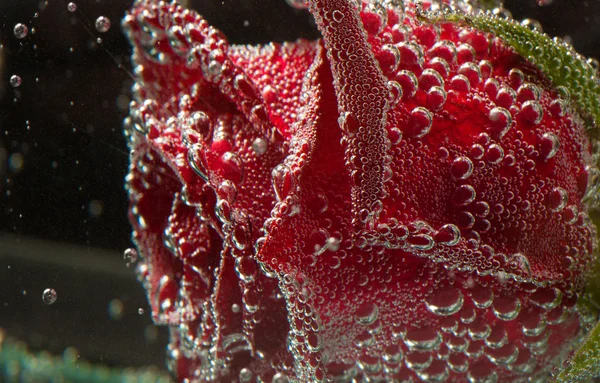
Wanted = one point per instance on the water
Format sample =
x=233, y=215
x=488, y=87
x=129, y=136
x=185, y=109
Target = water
x=64, y=161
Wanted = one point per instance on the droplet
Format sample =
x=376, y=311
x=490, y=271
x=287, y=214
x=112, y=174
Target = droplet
x=20, y=31
x=49, y=296
x=102, y=24
x=130, y=256
x=445, y=302
x=283, y=181
x=462, y=168
x=558, y=199
x=72, y=7
x=15, y=81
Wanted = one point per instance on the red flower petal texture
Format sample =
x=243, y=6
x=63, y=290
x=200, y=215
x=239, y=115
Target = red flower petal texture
x=399, y=201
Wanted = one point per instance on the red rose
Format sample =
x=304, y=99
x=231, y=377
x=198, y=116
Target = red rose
x=403, y=200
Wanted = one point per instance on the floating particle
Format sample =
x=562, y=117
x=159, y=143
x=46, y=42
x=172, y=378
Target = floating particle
x=49, y=296
x=21, y=31
x=102, y=24
x=72, y=7
x=15, y=81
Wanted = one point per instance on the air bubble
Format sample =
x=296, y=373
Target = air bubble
x=337, y=16
x=533, y=25
x=549, y=145
x=520, y=262
x=246, y=375
x=280, y=378
x=366, y=314
x=233, y=167
x=395, y=92
x=495, y=154
x=422, y=339
x=448, y=235
x=246, y=269
x=227, y=191
x=506, y=308
x=462, y=168
x=532, y=112
x=72, y=7
x=15, y=81
x=317, y=242
x=392, y=354
x=102, y=24
x=21, y=31
x=501, y=121
x=420, y=121
x=558, y=199
x=49, y=296
x=445, y=302
x=463, y=195
x=130, y=256
x=436, y=98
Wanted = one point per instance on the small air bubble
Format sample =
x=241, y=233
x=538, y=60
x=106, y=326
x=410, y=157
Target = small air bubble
x=130, y=256
x=15, y=81
x=72, y=7
x=21, y=31
x=49, y=296
x=102, y=24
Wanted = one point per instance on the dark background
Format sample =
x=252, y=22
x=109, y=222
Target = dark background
x=63, y=160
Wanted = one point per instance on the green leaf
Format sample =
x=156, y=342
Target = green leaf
x=585, y=364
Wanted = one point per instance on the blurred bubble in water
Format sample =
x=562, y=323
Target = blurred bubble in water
x=49, y=296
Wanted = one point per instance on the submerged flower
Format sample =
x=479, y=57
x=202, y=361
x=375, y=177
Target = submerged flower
x=406, y=199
